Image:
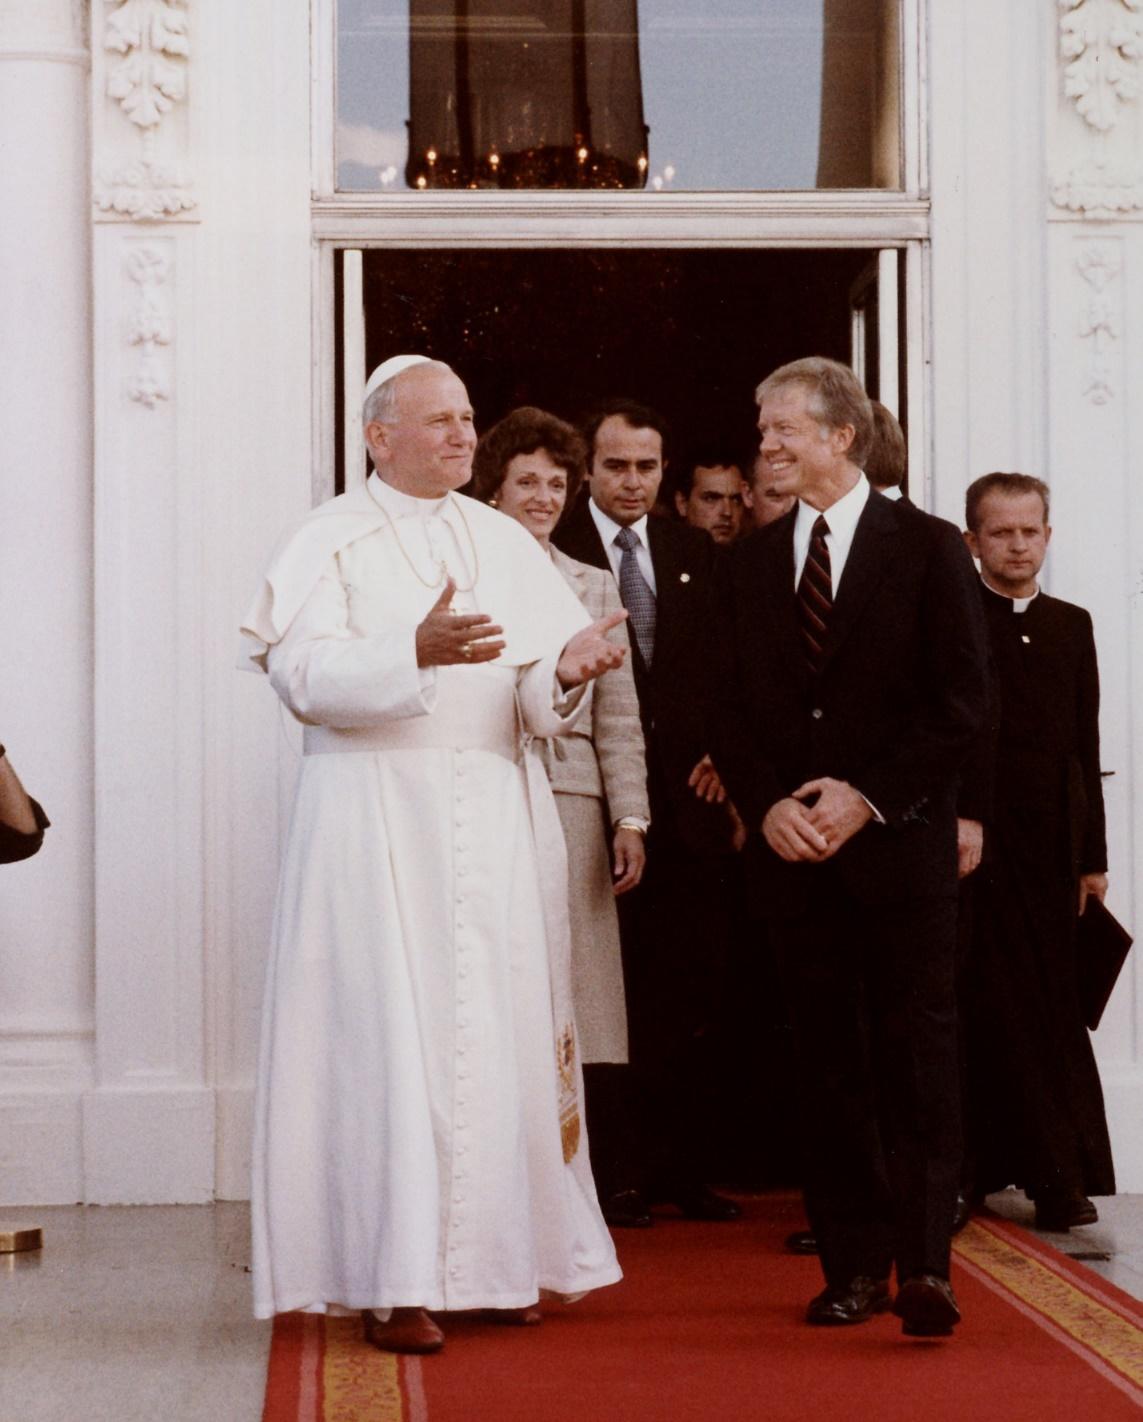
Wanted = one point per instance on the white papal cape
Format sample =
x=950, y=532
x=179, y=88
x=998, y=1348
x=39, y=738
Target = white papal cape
x=408, y=1147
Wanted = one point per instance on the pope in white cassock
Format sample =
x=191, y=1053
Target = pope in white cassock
x=418, y=1141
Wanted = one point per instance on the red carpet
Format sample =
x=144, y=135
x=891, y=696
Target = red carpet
x=707, y=1324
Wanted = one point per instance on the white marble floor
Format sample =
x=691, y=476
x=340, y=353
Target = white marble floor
x=131, y=1315
x=143, y=1314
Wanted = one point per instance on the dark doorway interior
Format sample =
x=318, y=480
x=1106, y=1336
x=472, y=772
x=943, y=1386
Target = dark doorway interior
x=688, y=332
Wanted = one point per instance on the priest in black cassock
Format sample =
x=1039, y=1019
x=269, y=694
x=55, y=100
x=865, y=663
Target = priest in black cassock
x=1036, y=1117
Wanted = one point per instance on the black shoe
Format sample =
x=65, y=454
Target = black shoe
x=926, y=1306
x=1060, y=1210
x=627, y=1209
x=962, y=1211
x=802, y=1241
x=856, y=1302
x=700, y=1202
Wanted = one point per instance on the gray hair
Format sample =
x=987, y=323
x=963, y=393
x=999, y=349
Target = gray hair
x=834, y=398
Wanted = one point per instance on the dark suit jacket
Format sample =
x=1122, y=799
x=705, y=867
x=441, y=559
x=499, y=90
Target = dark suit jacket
x=896, y=707
x=677, y=693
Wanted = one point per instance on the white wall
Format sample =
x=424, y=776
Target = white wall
x=46, y=904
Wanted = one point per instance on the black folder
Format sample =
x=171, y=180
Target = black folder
x=1102, y=945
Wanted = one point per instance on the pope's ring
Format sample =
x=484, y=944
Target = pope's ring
x=466, y=651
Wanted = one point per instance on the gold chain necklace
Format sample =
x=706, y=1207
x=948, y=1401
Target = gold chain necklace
x=442, y=576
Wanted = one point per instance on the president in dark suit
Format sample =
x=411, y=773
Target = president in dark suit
x=673, y=936
x=855, y=685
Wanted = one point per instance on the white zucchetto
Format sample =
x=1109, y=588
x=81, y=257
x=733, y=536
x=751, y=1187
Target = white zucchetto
x=394, y=366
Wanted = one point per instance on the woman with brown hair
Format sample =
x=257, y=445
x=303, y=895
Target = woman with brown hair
x=530, y=466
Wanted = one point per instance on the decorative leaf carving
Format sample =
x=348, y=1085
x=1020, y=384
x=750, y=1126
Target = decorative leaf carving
x=1102, y=40
x=1099, y=263
x=151, y=325
x=151, y=77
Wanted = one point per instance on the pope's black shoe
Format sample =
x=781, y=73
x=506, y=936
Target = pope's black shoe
x=926, y=1306
x=855, y=1302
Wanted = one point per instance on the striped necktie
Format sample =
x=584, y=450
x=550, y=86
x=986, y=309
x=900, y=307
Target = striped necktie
x=636, y=596
x=815, y=595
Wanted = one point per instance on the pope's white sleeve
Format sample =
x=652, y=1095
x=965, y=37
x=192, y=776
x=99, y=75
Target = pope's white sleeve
x=329, y=676
x=546, y=708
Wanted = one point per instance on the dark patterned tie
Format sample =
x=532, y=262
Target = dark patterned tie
x=815, y=595
x=636, y=596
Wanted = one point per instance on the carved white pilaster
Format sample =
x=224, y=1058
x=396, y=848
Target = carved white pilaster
x=1096, y=174
x=142, y=82
x=1100, y=265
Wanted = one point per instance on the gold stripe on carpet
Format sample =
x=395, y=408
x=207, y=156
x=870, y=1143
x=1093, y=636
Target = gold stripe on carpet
x=358, y=1380
x=1106, y=1333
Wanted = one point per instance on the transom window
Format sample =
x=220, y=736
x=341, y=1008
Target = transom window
x=654, y=95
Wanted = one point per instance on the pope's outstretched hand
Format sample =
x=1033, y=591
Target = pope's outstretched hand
x=446, y=638
x=589, y=654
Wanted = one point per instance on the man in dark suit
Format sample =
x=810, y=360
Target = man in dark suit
x=673, y=936
x=1038, y=1117
x=855, y=684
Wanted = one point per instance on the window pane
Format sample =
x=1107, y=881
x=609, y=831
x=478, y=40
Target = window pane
x=666, y=94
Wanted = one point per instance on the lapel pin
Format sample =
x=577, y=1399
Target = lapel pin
x=1026, y=640
x=684, y=577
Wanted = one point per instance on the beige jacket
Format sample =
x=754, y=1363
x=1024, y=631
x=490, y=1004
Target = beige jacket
x=604, y=755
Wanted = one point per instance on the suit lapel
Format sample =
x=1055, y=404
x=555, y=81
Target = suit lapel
x=580, y=539
x=869, y=557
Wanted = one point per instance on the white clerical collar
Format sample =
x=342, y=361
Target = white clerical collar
x=1019, y=604
x=841, y=517
x=399, y=504
x=891, y=492
x=609, y=529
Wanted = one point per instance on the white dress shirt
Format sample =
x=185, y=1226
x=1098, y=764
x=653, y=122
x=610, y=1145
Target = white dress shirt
x=841, y=520
x=608, y=528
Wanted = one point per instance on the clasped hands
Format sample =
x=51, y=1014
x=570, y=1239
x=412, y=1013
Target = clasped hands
x=811, y=834
x=447, y=638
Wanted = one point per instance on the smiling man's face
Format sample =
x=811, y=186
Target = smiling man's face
x=427, y=450
x=799, y=456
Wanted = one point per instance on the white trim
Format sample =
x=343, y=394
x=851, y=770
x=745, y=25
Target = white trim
x=888, y=331
x=82, y=57
x=916, y=257
x=323, y=98
x=353, y=363
x=606, y=219
x=324, y=427
x=915, y=96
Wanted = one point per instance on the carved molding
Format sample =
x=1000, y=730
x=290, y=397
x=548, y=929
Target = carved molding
x=1101, y=42
x=1100, y=264
x=151, y=76
x=146, y=79
x=1100, y=190
x=145, y=189
x=151, y=324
